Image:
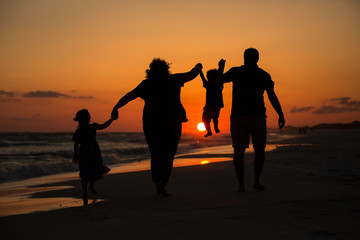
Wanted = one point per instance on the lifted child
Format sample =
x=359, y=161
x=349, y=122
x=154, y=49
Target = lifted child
x=214, y=99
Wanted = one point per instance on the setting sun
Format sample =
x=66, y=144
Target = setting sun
x=201, y=127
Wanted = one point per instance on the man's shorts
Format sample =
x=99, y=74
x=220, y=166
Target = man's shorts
x=243, y=127
x=210, y=113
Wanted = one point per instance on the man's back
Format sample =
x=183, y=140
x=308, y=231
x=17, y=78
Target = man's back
x=249, y=84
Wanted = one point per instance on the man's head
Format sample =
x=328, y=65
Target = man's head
x=251, y=56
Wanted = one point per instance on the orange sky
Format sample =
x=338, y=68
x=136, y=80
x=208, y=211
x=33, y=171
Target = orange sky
x=87, y=54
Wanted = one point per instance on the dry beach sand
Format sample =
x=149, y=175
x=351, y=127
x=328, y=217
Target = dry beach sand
x=313, y=192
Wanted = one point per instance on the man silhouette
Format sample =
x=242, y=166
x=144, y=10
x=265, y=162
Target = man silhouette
x=248, y=117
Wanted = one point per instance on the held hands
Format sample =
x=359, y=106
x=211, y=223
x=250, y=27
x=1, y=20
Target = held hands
x=198, y=67
x=114, y=114
x=281, y=122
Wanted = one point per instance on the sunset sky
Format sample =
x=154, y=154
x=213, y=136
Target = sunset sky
x=59, y=56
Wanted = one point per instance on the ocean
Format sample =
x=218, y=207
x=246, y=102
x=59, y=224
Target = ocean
x=28, y=155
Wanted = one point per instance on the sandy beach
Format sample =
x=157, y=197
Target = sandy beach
x=313, y=192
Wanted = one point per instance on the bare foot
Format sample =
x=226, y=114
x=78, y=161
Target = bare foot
x=259, y=187
x=161, y=190
x=164, y=193
x=85, y=200
x=217, y=130
x=208, y=134
x=241, y=189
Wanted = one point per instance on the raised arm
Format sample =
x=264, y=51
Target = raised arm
x=105, y=124
x=203, y=78
x=276, y=105
x=122, y=102
x=193, y=73
x=221, y=66
x=228, y=76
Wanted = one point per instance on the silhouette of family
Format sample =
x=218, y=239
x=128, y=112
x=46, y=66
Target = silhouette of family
x=163, y=115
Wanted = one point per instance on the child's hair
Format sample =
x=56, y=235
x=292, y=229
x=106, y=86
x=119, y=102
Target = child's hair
x=212, y=74
x=83, y=117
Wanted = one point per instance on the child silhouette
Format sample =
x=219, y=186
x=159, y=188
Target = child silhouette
x=214, y=98
x=87, y=152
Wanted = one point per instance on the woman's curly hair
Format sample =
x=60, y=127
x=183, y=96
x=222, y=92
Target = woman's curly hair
x=158, y=69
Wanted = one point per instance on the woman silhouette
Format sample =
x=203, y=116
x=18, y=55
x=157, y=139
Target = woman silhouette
x=163, y=115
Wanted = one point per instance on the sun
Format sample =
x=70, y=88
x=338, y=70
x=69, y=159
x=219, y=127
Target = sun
x=201, y=127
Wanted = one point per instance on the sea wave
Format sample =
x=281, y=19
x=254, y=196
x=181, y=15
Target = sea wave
x=28, y=155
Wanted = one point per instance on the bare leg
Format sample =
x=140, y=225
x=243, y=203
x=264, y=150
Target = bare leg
x=84, y=190
x=208, y=129
x=161, y=188
x=216, y=125
x=92, y=189
x=258, y=167
x=239, y=167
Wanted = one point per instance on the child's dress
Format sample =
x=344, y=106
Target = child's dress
x=89, y=154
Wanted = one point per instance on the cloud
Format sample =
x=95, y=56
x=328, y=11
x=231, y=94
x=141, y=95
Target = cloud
x=44, y=94
x=8, y=97
x=341, y=105
x=11, y=96
x=334, y=109
x=8, y=94
x=84, y=97
x=346, y=102
x=52, y=94
x=301, y=109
